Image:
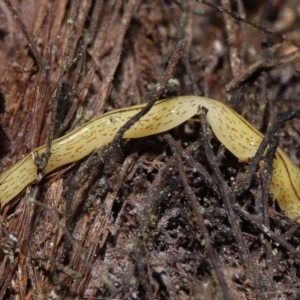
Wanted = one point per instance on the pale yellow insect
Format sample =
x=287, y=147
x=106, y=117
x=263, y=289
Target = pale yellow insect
x=233, y=131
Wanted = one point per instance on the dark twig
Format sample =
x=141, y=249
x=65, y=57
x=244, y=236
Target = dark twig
x=257, y=223
x=285, y=237
x=261, y=149
x=208, y=179
x=85, y=173
x=31, y=44
x=264, y=65
x=42, y=161
x=241, y=11
x=57, y=97
x=177, y=54
x=242, y=19
x=267, y=177
x=192, y=76
x=163, y=184
x=186, y=60
x=113, y=150
x=232, y=28
x=61, y=109
x=200, y=221
x=228, y=198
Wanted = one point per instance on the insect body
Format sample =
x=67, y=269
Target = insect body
x=232, y=130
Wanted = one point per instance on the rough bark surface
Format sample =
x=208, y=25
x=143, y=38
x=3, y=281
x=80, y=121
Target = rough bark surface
x=156, y=218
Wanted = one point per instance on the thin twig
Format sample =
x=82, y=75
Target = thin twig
x=31, y=44
x=267, y=177
x=57, y=97
x=265, y=187
x=177, y=54
x=228, y=198
x=200, y=221
x=232, y=29
x=242, y=19
x=261, y=150
x=264, y=65
x=269, y=233
x=208, y=179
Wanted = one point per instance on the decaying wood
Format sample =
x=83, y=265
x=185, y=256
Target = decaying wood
x=145, y=218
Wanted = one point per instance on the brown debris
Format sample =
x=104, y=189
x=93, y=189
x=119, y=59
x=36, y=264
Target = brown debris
x=173, y=216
